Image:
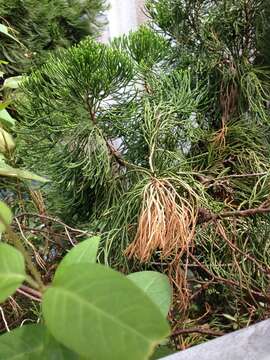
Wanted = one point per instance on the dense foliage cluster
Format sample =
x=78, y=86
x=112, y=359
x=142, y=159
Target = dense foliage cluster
x=159, y=141
x=46, y=25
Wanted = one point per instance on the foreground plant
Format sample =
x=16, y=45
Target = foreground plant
x=8, y=123
x=89, y=310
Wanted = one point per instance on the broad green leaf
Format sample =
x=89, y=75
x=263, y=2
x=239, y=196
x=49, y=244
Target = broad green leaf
x=23, y=343
x=99, y=313
x=32, y=342
x=53, y=350
x=6, y=141
x=5, y=118
x=5, y=216
x=161, y=352
x=9, y=171
x=12, y=82
x=83, y=253
x=4, y=104
x=5, y=30
x=12, y=270
x=156, y=286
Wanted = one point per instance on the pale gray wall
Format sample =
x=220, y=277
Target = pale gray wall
x=141, y=17
x=123, y=16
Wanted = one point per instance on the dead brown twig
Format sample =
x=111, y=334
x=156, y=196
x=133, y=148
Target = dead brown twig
x=196, y=330
x=50, y=218
x=205, y=215
x=30, y=293
x=211, y=180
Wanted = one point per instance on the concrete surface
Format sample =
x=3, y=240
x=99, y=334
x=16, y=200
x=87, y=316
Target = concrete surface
x=252, y=343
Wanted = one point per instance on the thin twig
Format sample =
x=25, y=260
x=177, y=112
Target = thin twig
x=196, y=330
x=121, y=161
x=246, y=255
x=38, y=258
x=244, y=213
x=113, y=152
x=24, y=321
x=29, y=296
x=207, y=180
x=15, y=306
x=46, y=217
x=256, y=294
x=236, y=176
x=31, y=291
x=4, y=319
x=69, y=237
x=206, y=216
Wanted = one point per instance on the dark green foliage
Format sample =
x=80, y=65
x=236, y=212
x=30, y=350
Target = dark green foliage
x=226, y=44
x=46, y=25
x=221, y=41
x=97, y=94
x=71, y=144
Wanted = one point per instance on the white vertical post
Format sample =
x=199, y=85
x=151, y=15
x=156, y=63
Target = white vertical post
x=123, y=16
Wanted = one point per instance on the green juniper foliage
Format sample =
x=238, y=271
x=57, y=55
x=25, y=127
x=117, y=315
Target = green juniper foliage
x=46, y=25
x=174, y=116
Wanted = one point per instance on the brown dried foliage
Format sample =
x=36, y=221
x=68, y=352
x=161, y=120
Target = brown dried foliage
x=166, y=223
